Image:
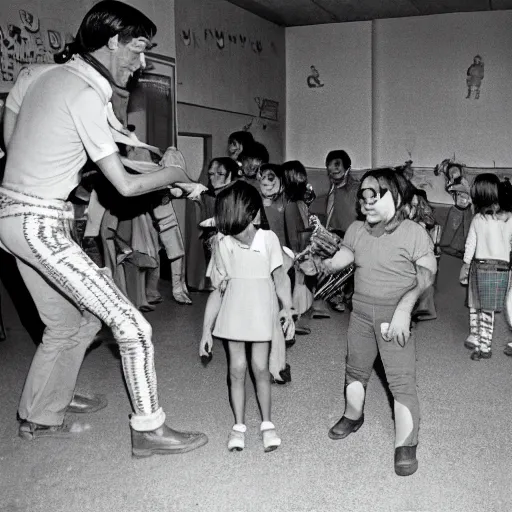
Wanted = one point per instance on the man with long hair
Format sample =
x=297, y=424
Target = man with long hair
x=60, y=115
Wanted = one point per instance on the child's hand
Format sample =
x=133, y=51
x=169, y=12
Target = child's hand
x=206, y=345
x=309, y=265
x=286, y=319
x=464, y=273
x=222, y=286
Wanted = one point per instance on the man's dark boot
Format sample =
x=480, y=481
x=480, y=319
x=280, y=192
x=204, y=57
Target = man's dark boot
x=164, y=440
x=84, y=404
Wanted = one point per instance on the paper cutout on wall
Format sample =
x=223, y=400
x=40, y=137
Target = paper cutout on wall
x=313, y=79
x=243, y=40
x=55, y=39
x=475, y=75
x=185, y=37
x=232, y=38
x=256, y=46
x=29, y=21
x=219, y=37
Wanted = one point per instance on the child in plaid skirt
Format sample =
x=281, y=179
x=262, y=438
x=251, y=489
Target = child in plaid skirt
x=486, y=268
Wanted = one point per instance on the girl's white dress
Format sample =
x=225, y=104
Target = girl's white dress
x=249, y=299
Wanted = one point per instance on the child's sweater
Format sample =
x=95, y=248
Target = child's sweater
x=489, y=238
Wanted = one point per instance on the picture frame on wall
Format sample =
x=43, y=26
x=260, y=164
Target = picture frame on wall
x=154, y=102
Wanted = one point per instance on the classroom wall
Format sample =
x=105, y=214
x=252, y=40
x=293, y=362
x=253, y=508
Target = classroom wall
x=336, y=114
x=228, y=62
x=396, y=89
x=48, y=24
x=420, y=89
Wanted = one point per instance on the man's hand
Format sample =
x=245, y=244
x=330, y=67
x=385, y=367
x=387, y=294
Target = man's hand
x=400, y=327
x=193, y=190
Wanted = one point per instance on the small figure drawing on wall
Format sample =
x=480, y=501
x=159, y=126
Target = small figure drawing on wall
x=314, y=79
x=475, y=75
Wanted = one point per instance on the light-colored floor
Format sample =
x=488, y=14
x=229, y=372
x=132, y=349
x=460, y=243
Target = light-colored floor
x=465, y=451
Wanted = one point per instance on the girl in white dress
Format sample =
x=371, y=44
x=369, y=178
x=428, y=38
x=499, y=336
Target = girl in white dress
x=247, y=274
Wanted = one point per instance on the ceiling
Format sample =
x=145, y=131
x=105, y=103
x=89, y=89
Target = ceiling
x=292, y=13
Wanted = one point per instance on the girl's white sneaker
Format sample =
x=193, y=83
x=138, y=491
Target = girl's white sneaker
x=236, y=438
x=271, y=441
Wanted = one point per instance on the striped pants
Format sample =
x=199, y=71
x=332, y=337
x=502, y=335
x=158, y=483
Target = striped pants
x=72, y=295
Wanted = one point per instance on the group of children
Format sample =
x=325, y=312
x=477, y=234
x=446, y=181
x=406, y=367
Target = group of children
x=256, y=215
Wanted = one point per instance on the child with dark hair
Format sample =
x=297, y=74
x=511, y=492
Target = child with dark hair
x=251, y=159
x=271, y=186
x=486, y=267
x=248, y=277
x=221, y=172
x=340, y=213
x=237, y=142
x=298, y=194
x=421, y=212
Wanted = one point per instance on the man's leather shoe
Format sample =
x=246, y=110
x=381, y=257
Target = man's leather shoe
x=344, y=427
x=405, y=460
x=164, y=440
x=83, y=404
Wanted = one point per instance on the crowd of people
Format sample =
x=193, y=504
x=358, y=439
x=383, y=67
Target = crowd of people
x=264, y=255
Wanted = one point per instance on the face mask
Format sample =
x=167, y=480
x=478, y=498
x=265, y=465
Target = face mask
x=270, y=184
x=377, y=206
x=370, y=196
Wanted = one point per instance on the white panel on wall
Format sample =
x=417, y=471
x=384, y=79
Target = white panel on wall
x=336, y=114
x=193, y=152
x=420, y=89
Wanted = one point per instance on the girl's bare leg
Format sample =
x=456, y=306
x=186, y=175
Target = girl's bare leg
x=259, y=364
x=237, y=372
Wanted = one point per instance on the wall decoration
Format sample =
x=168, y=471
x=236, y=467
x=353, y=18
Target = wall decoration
x=232, y=38
x=54, y=39
x=185, y=37
x=219, y=37
x=29, y=21
x=475, y=75
x=243, y=40
x=456, y=182
x=268, y=108
x=313, y=79
x=25, y=44
x=256, y=46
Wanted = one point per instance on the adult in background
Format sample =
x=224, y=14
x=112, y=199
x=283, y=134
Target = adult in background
x=63, y=118
x=395, y=264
